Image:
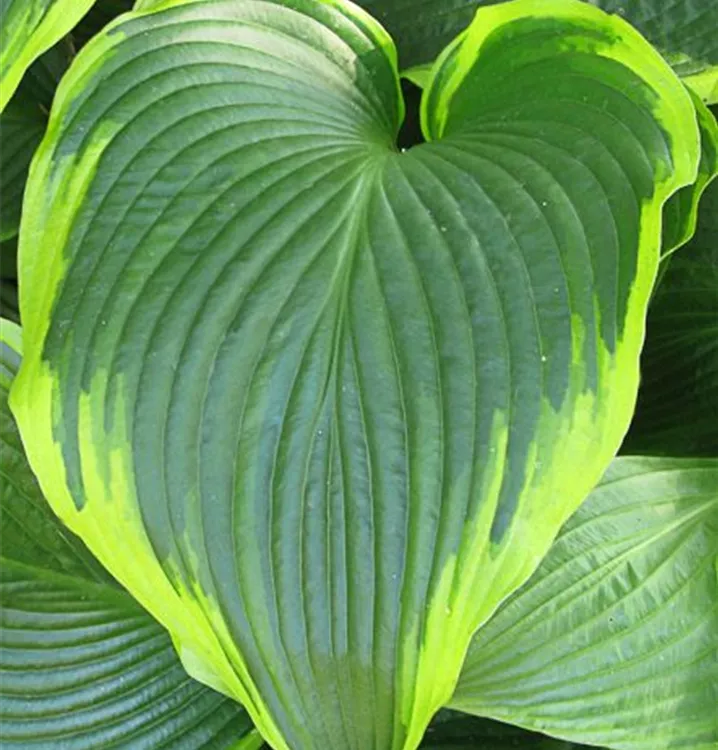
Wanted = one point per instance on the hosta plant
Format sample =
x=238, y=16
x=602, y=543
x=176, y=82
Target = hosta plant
x=311, y=426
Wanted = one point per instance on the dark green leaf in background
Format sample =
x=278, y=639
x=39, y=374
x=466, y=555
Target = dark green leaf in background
x=41, y=79
x=9, y=307
x=677, y=412
x=22, y=126
x=452, y=730
x=686, y=31
x=82, y=665
x=102, y=12
x=680, y=214
x=614, y=640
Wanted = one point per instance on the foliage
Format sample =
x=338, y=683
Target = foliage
x=307, y=394
x=683, y=30
x=69, y=633
x=618, y=626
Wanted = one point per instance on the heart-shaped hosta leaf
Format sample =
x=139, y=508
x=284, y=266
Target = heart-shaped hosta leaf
x=82, y=666
x=320, y=404
x=27, y=29
x=683, y=30
x=614, y=639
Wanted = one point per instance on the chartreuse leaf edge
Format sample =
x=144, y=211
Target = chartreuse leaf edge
x=310, y=399
x=81, y=661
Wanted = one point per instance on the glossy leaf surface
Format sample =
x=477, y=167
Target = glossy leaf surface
x=614, y=640
x=310, y=398
x=83, y=666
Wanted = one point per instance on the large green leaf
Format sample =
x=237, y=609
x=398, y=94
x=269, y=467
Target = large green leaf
x=82, y=666
x=684, y=30
x=27, y=29
x=677, y=412
x=614, y=640
x=312, y=399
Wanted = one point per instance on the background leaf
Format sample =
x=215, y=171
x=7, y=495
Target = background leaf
x=82, y=665
x=8, y=298
x=684, y=30
x=102, y=12
x=27, y=30
x=451, y=729
x=312, y=399
x=613, y=641
x=22, y=126
x=680, y=214
x=677, y=411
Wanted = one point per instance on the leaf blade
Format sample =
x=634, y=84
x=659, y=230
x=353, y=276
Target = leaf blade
x=598, y=651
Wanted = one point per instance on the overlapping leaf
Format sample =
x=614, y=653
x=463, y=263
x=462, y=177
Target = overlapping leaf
x=684, y=30
x=614, y=640
x=82, y=666
x=27, y=29
x=312, y=399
